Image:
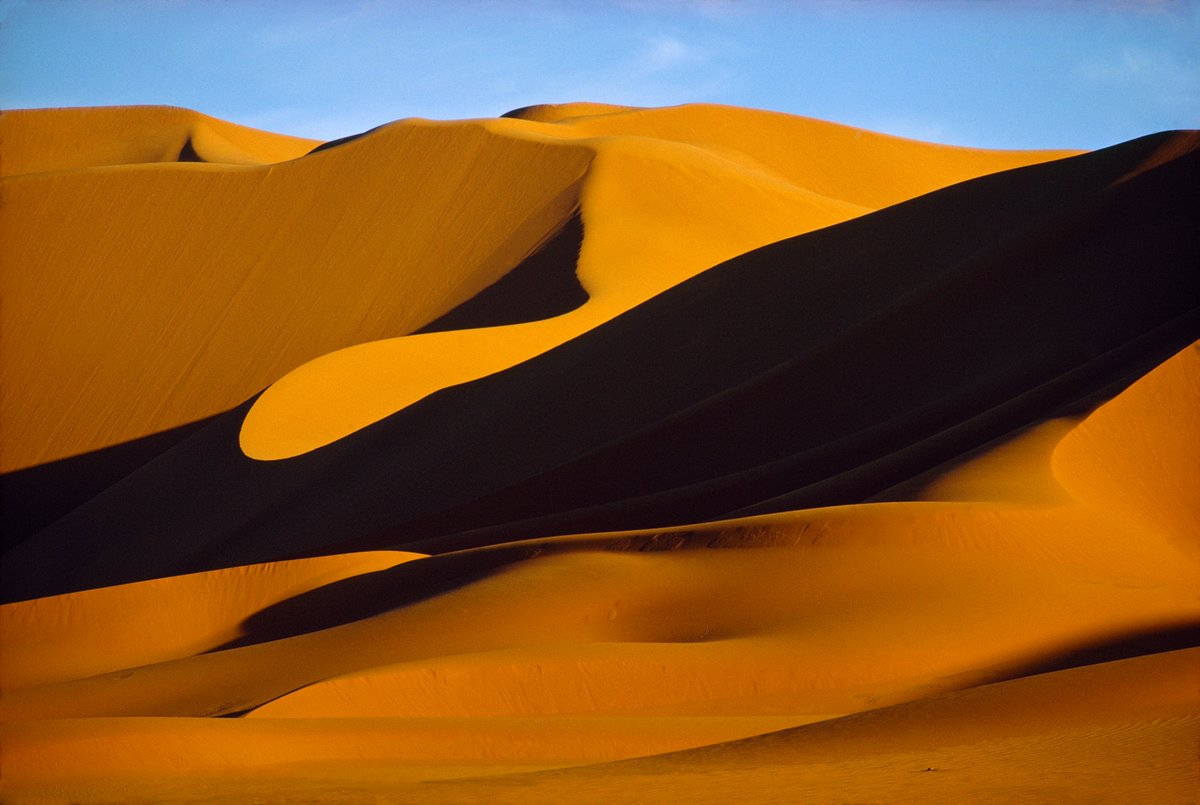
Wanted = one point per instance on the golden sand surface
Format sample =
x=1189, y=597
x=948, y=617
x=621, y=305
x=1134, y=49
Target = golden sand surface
x=1010, y=618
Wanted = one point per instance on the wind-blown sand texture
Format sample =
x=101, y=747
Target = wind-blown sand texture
x=595, y=454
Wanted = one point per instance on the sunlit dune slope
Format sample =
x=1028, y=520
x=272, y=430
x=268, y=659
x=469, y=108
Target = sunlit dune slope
x=818, y=370
x=114, y=628
x=892, y=594
x=1138, y=465
x=41, y=140
x=572, y=650
x=198, y=285
x=1060, y=737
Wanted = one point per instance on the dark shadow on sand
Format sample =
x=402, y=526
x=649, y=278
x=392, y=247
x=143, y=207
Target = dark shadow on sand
x=544, y=285
x=33, y=498
x=369, y=594
x=1121, y=647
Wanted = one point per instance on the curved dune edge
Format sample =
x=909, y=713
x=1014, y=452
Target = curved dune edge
x=1137, y=466
x=670, y=192
x=557, y=112
x=46, y=140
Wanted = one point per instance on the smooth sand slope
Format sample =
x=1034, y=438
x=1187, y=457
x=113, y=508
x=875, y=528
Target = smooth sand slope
x=602, y=454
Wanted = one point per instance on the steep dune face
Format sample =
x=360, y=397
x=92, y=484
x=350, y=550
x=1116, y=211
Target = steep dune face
x=710, y=453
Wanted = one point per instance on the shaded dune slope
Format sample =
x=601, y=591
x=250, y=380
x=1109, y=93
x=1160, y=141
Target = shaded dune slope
x=979, y=308
x=544, y=285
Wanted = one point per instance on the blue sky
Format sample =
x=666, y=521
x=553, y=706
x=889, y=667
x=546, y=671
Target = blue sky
x=993, y=73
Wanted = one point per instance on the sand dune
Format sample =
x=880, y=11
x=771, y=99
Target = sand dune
x=754, y=387
x=900, y=588
x=55, y=640
x=48, y=140
x=422, y=217
x=595, y=453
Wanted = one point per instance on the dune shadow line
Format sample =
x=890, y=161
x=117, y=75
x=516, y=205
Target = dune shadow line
x=363, y=596
x=34, y=497
x=542, y=286
x=1122, y=647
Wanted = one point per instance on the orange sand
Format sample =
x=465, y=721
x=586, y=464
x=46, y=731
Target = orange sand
x=372, y=239
x=1013, y=625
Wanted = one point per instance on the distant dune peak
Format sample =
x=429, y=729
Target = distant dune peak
x=555, y=112
x=45, y=140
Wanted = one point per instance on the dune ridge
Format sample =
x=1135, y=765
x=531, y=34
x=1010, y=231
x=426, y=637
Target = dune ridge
x=596, y=453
